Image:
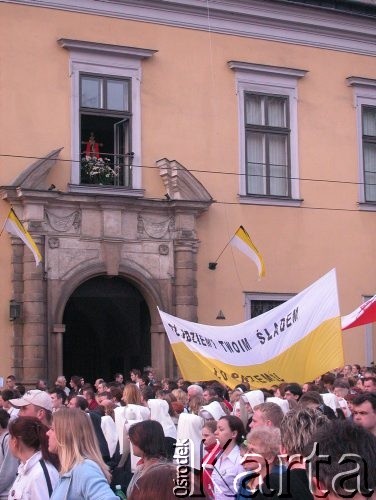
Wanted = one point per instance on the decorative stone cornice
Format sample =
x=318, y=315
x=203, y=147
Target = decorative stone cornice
x=312, y=24
x=180, y=184
x=105, y=48
x=35, y=176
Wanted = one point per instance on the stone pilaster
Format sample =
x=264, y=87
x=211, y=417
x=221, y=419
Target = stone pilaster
x=17, y=285
x=34, y=319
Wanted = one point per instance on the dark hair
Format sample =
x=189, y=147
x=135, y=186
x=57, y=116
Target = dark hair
x=60, y=394
x=362, y=398
x=338, y=439
x=32, y=433
x=8, y=394
x=21, y=389
x=136, y=372
x=4, y=418
x=310, y=397
x=76, y=379
x=341, y=383
x=236, y=425
x=116, y=393
x=147, y=392
x=148, y=435
x=294, y=388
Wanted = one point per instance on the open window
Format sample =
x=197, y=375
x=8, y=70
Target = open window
x=106, y=116
x=105, y=130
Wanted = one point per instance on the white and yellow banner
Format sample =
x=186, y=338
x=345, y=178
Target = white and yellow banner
x=294, y=342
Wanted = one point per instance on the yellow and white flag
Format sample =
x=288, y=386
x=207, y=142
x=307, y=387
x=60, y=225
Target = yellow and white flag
x=294, y=342
x=243, y=242
x=14, y=226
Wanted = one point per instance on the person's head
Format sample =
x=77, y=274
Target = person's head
x=73, y=438
x=341, y=387
x=311, y=399
x=97, y=382
x=147, y=438
x=160, y=477
x=355, y=370
x=131, y=394
x=269, y=414
x=263, y=446
x=195, y=404
x=369, y=384
x=310, y=386
x=4, y=419
x=61, y=381
x=78, y=402
x=27, y=434
x=58, y=398
x=209, y=394
x=75, y=382
x=208, y=434
x=194, y=390
x=293, y=391
x=297, y=428
x=88, y=394
x=34, y=403
x=6, y=395
x=119, y=378
x=351, y=470
x=328, y=380
x=10, y=382
x=230, y=429
x=364, y=411
x=41, y=385
x=135, y=374
x=181, y=396
x=347, y=370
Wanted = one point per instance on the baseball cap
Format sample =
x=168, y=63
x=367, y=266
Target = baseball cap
x=33, y=397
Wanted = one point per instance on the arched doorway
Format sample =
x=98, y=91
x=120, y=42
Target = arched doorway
x=107, y=325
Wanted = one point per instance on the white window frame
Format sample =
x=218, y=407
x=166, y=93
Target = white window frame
x=364, y=94
x=270, y=80
x=105, y=60
x=250, y=296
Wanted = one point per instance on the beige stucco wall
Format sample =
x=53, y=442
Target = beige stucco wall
x=190, y=113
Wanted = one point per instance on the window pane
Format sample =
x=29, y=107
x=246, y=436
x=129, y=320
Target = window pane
x=278, y=165
x=369, y=121
x=254, y=110
x=370, y=171
x=262, y=306
x=117, y=95
x=256, y=167
x=91, y=92
x=277, y=112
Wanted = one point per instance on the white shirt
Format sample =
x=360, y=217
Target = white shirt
x=226, y=468
x=30, y=483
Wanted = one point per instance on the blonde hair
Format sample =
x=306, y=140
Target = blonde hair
x=269, y=439
x=132, y=395
x=76, y=440
x=180, y=395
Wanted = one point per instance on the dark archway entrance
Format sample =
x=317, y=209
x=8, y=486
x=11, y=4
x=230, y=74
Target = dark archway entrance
x=107, y=329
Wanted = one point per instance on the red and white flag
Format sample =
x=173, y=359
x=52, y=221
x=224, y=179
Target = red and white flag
x=364, y=314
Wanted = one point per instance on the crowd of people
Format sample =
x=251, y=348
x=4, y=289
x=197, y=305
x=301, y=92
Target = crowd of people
x=166, y=439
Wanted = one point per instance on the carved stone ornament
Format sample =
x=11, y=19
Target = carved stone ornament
x=163, y=249
x=64, y=224
x=53, y=242
x=153, y=229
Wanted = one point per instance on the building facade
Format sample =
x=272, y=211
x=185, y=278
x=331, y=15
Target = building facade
x=138, y=135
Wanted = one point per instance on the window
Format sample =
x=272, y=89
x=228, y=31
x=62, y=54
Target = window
x=365, y=105
x=105, y=129
x=257, y=304
x=268, y=138
x=369, y=152
x=106, y=116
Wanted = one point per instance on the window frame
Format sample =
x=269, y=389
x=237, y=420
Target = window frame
x=364, y=94
x=111, y=61
x=252, y=296
x=273, y=81
x=267, y=131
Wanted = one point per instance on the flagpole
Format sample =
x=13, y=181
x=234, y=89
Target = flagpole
x=213, y=265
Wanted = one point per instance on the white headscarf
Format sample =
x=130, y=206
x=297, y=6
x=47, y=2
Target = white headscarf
x=254, y=397
x=215, y=410
x=159, y=412
x=282, y=403
x=189, y=427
